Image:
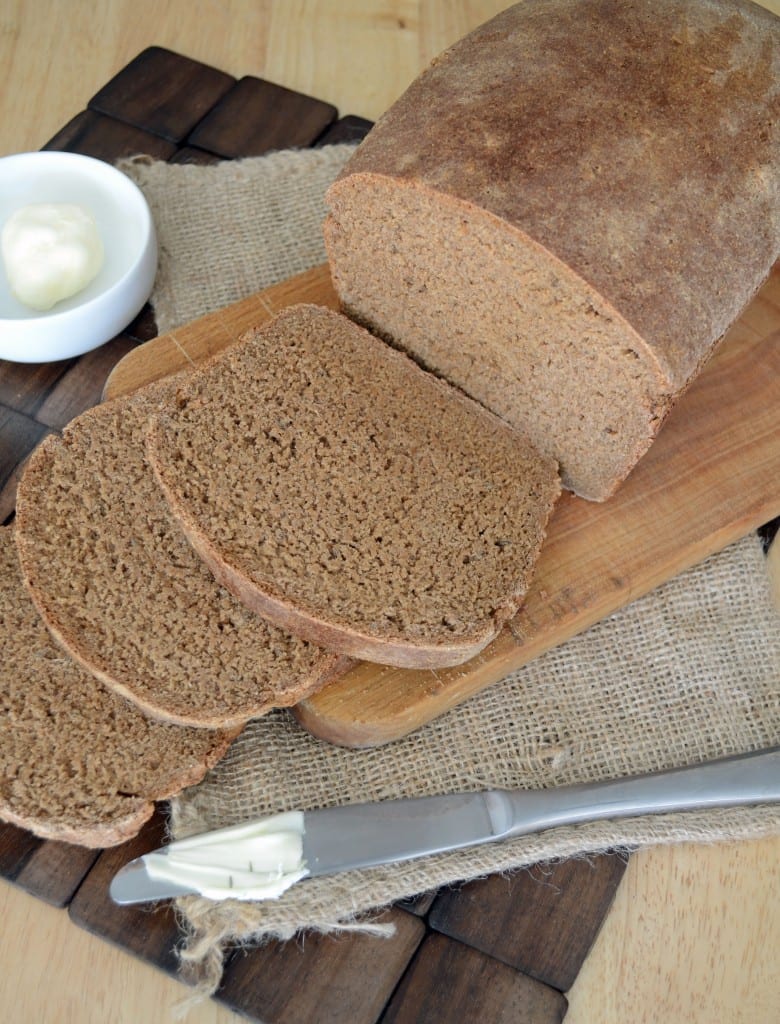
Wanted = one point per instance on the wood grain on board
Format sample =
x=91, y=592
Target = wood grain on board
x=712, y=476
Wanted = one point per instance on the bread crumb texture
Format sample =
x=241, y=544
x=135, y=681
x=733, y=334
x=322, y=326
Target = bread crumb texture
x=77, y=762
x=567, y=210
x=324, y=472
x=118, y=584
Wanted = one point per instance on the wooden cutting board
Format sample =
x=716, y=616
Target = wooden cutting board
x=711, y=477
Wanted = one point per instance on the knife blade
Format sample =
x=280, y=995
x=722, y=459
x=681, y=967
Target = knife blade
x=344, y=838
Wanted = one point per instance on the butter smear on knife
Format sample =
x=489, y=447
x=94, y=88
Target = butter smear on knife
x=257, y=861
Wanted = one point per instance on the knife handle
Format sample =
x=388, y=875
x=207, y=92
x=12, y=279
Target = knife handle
x=746, y=779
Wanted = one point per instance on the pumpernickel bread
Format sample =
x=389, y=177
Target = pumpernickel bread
x=567, y=210
x=119, y=586
x=77, y=762
x=351, y=498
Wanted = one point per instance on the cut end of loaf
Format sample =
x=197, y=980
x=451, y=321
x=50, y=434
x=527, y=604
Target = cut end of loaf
x=486, y=308
x=565, y=212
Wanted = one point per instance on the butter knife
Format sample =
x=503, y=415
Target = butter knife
x=343, y=838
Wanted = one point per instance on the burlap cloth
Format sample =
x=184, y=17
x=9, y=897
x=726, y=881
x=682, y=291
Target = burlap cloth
x=685, y=674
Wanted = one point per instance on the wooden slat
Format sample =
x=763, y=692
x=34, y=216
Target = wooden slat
x=162, y=92
x=16, y=847
x=768, y=532
x=322, y=979
x=542, y=921
x=256, y=117
x=144, y=327
x=24, y=386
x=449, y=983
x=193, y=155
x=419, y=905
x=49, y=870
x=148, y=931
x=740, y=980
x=81, y=386
x=93, y=134
x=53, y=393
x=346, y=129
x=19, y=435
x=54, y=872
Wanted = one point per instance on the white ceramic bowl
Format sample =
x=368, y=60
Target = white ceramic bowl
x=110, y=302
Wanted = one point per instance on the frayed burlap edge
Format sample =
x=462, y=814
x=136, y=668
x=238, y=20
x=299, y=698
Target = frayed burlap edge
x=212, y=929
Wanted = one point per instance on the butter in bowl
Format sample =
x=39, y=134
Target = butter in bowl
x=79, y=255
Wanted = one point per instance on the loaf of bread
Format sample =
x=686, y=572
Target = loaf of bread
x=567, y=210
x=119, y=586
x=77, y=762
x=351, y=498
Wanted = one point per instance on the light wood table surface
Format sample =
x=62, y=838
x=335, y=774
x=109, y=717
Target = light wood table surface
x=694, y=933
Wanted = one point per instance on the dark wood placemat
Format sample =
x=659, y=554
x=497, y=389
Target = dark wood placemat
x=500, y=949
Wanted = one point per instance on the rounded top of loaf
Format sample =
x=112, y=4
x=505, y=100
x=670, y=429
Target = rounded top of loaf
x=638, y=142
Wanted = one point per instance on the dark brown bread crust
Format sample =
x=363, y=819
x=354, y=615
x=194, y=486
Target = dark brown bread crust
x=346, y=495
x=78, y=763
x=635, y=142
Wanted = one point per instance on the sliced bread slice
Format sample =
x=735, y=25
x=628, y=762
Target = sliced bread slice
x=77, y=762
x=350, y=497
x=117, y=584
